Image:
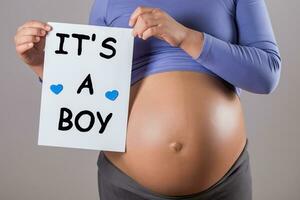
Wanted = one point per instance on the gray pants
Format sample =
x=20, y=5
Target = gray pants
x=236, y=184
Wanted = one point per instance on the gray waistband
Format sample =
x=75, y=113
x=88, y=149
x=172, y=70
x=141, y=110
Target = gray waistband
x=120, y=179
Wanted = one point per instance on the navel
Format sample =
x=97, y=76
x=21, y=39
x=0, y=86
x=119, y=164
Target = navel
x=176, y=146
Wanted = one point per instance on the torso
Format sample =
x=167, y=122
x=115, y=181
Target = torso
x=185, y=130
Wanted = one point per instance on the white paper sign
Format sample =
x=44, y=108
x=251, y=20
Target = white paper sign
x=86, y=86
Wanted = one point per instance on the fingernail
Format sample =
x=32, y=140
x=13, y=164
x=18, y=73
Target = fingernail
x=48, y=27
x=130, y=23
x=43, y=32
x=30, y=44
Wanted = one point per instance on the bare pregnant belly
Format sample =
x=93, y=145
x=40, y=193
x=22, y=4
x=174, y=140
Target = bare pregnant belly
x=185, y=130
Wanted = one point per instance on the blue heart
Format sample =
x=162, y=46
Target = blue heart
x=56, y=89
x=112, y=95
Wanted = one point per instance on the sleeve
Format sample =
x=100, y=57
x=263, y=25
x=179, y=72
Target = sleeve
x=97, y=14
x=254, y=64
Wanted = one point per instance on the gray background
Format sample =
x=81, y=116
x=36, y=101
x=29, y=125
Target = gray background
x=30, y=172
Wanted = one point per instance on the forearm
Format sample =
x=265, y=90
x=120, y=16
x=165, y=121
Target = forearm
x=250, y=68
x=38, y=70
x=192, y=43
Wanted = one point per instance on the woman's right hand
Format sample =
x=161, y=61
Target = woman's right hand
x=30, y=44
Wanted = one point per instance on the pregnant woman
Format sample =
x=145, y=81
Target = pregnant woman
x=186, y=135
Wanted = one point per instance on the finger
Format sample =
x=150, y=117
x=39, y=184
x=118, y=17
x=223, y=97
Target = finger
x=144, y=22
x=36, y=24
x=31, y=31
x=21, y=49
x=27, y=39
x=152, y=31
x=138, y=11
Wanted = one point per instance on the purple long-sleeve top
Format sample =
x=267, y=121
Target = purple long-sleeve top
x=239, y=46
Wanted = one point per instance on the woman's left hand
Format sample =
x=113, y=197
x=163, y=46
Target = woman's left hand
x=147, y=22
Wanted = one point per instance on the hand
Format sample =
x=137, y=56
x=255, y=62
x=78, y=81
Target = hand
x=30, y=43
x=149, y=22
